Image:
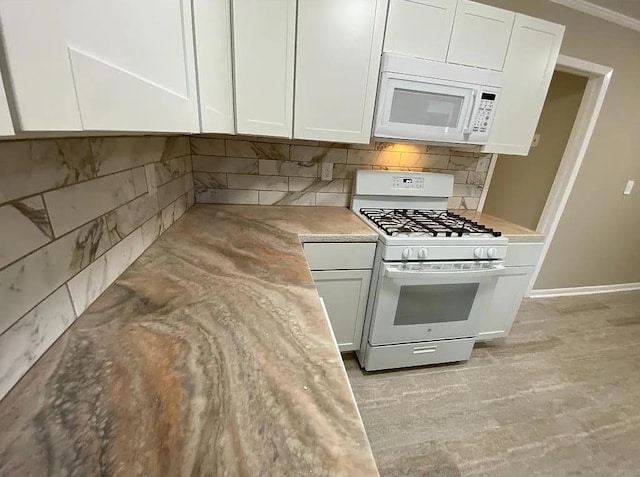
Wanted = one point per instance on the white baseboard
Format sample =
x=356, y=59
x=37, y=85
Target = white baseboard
x=620, y=287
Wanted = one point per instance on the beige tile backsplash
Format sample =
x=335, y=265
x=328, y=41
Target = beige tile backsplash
x=74, y=214
x=269, y=171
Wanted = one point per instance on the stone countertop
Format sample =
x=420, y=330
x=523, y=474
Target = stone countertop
x=515, y=233
x=210, y=355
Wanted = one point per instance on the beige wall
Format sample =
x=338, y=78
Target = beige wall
x=520, y=184
x=597, y=240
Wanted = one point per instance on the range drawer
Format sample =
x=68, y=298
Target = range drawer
x=418, y=354
x=340, y=256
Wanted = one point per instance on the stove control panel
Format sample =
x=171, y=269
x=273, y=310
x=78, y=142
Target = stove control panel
x=408, y=182
x=492, y=251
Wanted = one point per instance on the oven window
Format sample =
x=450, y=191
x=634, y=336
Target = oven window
x=424, y=304
x=425, y=109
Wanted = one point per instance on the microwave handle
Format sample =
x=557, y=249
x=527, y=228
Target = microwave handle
x=443, y=274
x=467, y=128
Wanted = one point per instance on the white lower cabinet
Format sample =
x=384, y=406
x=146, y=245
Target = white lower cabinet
x=509, y=294
x=345, y=295
x=342, y=273
x=520, y=263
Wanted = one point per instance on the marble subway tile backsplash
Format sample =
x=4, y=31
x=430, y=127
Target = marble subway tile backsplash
x=267, y=171
x=74, y=214
x=29, y=222
x=27, y=340
x=72, y=206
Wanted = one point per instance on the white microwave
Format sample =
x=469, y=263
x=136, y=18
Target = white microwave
x=429, y=101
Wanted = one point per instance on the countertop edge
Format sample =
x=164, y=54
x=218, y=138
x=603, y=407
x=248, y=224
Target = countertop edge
x=337, y=238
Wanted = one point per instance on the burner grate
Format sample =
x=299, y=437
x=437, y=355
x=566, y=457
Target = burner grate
x=417, y=222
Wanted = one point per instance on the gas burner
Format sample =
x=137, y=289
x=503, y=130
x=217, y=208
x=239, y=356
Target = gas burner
x=425, y=222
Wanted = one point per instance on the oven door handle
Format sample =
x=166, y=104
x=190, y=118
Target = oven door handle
x=442, y=274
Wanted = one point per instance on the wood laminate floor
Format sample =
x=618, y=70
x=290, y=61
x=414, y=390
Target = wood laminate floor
x=560, y=397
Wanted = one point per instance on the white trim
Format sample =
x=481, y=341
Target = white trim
x=621, y=287
x=590, y=106
x=487, y=181
x=601, y=12
x=576, y=66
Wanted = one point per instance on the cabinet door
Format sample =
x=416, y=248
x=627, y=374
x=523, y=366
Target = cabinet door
x=96, y=65
x=506, y=301
x=337, y=64
x=264, y=52
x=480, y=35
x=528, y=68
x=420, y=28
x=345, y=295
x=6, y=125
x=212, y=24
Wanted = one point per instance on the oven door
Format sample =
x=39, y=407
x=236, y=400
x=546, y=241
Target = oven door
x=417, y=108
x=425, y=301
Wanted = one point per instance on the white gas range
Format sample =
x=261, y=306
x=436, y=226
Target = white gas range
x=434, y=274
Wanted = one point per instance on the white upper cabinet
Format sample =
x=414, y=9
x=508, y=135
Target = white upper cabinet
x=480, y=35
x=420, y=28
x=212, y=22
x=6, y=125
x=337, y=63
x=264, y=52
x=96, y=65
x=528, y=68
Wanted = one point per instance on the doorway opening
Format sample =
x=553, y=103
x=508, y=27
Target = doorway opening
x=520, y=185
x=564, y=172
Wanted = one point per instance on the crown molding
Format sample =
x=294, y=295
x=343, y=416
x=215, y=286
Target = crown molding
x=601, y=12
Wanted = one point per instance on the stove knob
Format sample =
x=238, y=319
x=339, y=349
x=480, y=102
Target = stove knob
x=492, y=252
x=406, y=253
x=479, y=252
x=422, y=253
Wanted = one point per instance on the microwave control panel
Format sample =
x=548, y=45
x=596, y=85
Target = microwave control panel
x=485, y=112
x=408, y=183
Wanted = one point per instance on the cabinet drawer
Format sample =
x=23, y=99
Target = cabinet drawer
x=418, y=354
x=523, y=254
x=339, y=256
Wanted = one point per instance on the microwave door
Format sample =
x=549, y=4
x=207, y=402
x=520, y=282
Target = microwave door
x=424, y=109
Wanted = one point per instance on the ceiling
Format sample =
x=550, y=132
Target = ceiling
x=630, y=8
